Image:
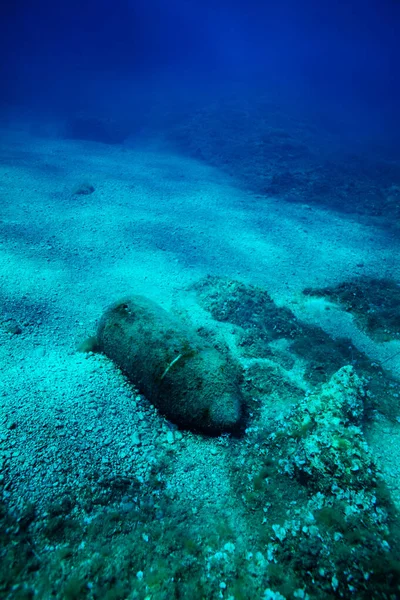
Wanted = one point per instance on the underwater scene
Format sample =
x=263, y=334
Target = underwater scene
x=199, y=300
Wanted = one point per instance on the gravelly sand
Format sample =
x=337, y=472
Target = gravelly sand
x=155, y=224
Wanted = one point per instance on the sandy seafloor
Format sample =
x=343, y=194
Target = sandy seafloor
x=156, y=223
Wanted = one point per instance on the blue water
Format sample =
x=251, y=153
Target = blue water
x=238, y=163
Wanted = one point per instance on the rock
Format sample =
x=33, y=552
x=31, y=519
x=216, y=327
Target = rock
x=11, y=326
x=83, y=189
x=189, y=381
x=135, y=439
x=322, y=438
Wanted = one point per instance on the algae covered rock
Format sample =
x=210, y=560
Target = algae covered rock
x=343, y=541
x=325, y=445
x=188, y=380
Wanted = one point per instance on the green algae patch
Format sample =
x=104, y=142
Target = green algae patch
x=324, y=441
x=343, y=536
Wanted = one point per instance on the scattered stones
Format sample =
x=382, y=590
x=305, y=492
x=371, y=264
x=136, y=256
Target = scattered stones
x=256, y=514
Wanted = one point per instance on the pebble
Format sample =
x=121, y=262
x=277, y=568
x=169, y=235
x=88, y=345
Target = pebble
x=135, y=439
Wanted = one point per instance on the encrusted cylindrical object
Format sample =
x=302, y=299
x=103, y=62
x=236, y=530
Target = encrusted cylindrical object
x=188, y=380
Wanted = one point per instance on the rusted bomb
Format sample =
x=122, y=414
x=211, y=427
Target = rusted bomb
x=191, y=382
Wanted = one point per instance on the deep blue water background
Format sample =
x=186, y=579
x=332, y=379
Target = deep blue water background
x=198, y=73
x=291, y=101
x=53, y=52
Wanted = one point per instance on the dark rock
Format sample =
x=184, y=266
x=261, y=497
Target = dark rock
x=83, y=189
x=11, y=326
